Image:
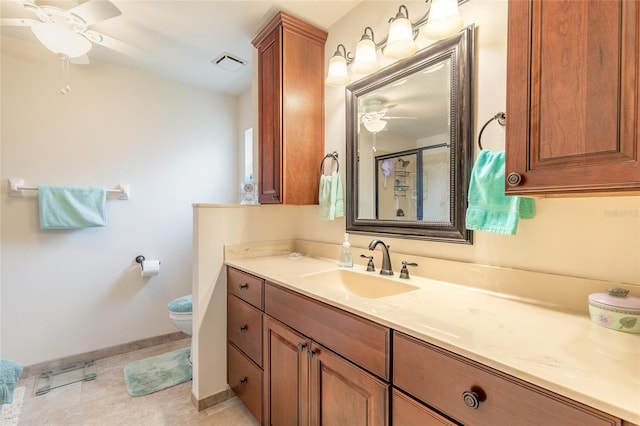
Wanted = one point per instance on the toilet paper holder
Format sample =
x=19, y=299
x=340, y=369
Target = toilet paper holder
x=148, y=268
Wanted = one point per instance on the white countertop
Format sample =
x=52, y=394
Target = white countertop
x=564, y=352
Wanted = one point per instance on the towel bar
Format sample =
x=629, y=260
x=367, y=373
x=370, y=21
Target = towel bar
x=16, y=186
x=502, y=120
x=333, y=155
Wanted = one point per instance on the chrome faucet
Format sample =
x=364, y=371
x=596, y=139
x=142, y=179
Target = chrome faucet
x=386, y=261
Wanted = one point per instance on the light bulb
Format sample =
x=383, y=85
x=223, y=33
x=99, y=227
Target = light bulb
x=444, y=20
x=400, y=43
x=337, y=75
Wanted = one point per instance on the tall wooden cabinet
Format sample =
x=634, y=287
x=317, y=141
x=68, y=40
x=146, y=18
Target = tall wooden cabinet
x=290, y=110
x=573, y=97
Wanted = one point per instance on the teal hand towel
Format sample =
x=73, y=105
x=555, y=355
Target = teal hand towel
x=10, y=372
x=71, y=207
x=331, y=196
x=489, y=209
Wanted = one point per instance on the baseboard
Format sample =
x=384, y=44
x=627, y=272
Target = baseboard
x=212, y=400
x=36, y=369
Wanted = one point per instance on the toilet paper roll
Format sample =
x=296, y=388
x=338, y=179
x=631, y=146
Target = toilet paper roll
x=150, y=268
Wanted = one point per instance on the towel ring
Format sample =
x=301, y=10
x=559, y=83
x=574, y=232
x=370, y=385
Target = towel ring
x=334, y=156
x=502, y=120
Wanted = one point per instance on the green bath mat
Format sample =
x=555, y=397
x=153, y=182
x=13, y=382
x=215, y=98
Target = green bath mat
x=159, y=372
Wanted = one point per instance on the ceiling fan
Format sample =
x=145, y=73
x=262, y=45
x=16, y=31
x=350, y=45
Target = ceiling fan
x=68, y=32
x=375, y=115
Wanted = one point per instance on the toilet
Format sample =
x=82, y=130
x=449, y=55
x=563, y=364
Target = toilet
x=180, y=312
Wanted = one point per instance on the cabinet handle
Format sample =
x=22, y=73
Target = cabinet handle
x=514, y=179
x=471, y=399
x=243, y=327
x=310, y=353
x=243, y=286
x=275, y=196
x=243, y=380
x=301, y=346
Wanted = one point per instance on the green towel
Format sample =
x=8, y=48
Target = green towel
x=489, y=209
x=10, y=372
x=331, y=197
x=70, y=207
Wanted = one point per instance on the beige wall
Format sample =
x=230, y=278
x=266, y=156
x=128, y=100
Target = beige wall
x=70, y=292
x=215, y=227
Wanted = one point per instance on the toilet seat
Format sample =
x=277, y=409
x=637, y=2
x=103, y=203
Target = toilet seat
x=182, y=305
x=180, y=312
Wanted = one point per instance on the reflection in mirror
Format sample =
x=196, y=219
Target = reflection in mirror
x=409, y=145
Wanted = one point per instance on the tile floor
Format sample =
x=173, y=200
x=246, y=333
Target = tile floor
x=105, y=401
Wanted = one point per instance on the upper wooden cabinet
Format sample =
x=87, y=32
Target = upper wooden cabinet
x=290, y=110
x=573, y=104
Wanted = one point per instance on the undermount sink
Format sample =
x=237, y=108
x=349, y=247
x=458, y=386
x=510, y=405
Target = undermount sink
x=360, y=284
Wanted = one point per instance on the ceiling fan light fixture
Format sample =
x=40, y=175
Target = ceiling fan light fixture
x=61, y=40
x=375, y=125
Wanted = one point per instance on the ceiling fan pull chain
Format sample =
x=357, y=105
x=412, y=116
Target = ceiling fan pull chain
x=65, y=76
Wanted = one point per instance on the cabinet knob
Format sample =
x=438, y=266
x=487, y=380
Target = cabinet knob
x=301, y=346
x=243, y=327
x=275, y=196
x=310, y=353
x=243, y=286
x=243, y=380
x=471, y=399
x=514, y=179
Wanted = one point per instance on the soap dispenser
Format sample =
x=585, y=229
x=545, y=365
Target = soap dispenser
x=346, y=259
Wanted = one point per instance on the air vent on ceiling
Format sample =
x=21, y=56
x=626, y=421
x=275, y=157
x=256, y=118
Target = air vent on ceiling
x=229, y=62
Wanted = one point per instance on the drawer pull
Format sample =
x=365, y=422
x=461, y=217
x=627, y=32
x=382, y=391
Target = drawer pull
x=243, y=286
x=243, y=380
x=243, y=327
x=471, y=399
x=301, y=346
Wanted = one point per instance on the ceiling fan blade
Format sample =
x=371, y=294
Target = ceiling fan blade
x=112, y=43
x=95, y=11
x=18, y=22
x=79, y=60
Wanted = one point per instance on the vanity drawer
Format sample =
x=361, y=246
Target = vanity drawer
x=406, y=411
x=244, y=328
x=245, y=379
x=357, y=339
x=246, y=286
x=446, y=381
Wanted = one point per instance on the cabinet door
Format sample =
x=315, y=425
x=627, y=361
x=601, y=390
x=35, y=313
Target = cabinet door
x=343, y=394
x=270, y=116
x=286, y=369
x=573, y=107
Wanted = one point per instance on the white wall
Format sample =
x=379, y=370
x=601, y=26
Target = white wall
x=69, y=292
x=595, y=237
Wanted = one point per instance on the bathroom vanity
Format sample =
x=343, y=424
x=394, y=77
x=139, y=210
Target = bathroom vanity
x=309, y=345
